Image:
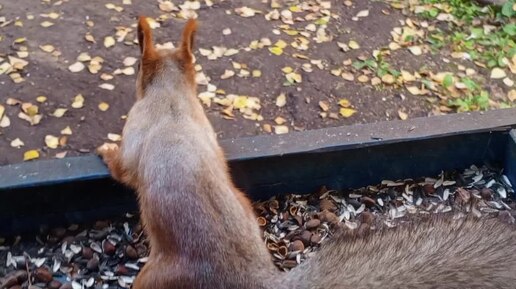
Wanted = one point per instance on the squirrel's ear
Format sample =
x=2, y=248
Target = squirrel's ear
x=187, y=40
x=145, y=38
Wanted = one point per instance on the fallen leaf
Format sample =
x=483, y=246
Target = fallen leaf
x=416, y=50
x=280, y=129
x=51, y=141
x=245, y=11
x=294, y=77
x=107, y=86
x=103, y=106
x=363, y=78
x=226, y=31
x=256, y=73
x=402, y=115
x=109, y=41
x=347, y=112
x=498, y=73
x=30, y=155
x=78, y=101
x=168, y=6
x=344, y=102
x=114, y=137
x=61, y=155
x=324, y=105
x=33, y=120
x=388, y=78
x=279, y=120
x=2, y=111
x=84, y=57
x=362, y=13
x=59, y=112
x=46, y=24
x=47, y=48
x=130, y=61
x=353, y=44
x=76, y=67
x=227, y=74
x=89, y=38
x=66, y=131
x=276, y=50
x=5, y=122
x=17, y=143
x=41, y=99
x=281, y=100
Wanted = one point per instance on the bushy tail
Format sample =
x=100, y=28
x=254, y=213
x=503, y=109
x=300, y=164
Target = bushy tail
x=437, y=253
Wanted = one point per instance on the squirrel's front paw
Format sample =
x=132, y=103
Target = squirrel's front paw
x=107, y=150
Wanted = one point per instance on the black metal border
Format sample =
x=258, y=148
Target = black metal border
x=77, y=189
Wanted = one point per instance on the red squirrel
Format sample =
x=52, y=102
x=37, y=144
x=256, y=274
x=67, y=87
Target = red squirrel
x=202, y=229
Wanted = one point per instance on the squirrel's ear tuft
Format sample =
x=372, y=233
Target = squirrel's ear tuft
x=145, y=38
x=188, y=40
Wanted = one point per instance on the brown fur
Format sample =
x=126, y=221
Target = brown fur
x=203, y=233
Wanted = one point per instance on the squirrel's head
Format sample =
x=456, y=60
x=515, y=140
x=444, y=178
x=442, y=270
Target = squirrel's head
x=161, y=67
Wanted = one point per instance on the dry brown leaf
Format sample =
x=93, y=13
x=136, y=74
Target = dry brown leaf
x=324, y=105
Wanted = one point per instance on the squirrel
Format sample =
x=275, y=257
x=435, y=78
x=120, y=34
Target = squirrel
x=203, y=232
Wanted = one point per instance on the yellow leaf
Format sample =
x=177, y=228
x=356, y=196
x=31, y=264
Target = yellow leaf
x=30, y=155
x=276, y=50
x=353, y=44
x=240, y=102
x=294, y=77
x=256, y=73
x=287, y=69
x=103, y=106
x=347, y=112
x=41, y=99
x=281, y=44
x=344, y=103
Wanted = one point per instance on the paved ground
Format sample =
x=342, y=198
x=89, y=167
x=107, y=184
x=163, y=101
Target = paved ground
x=67, y=67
